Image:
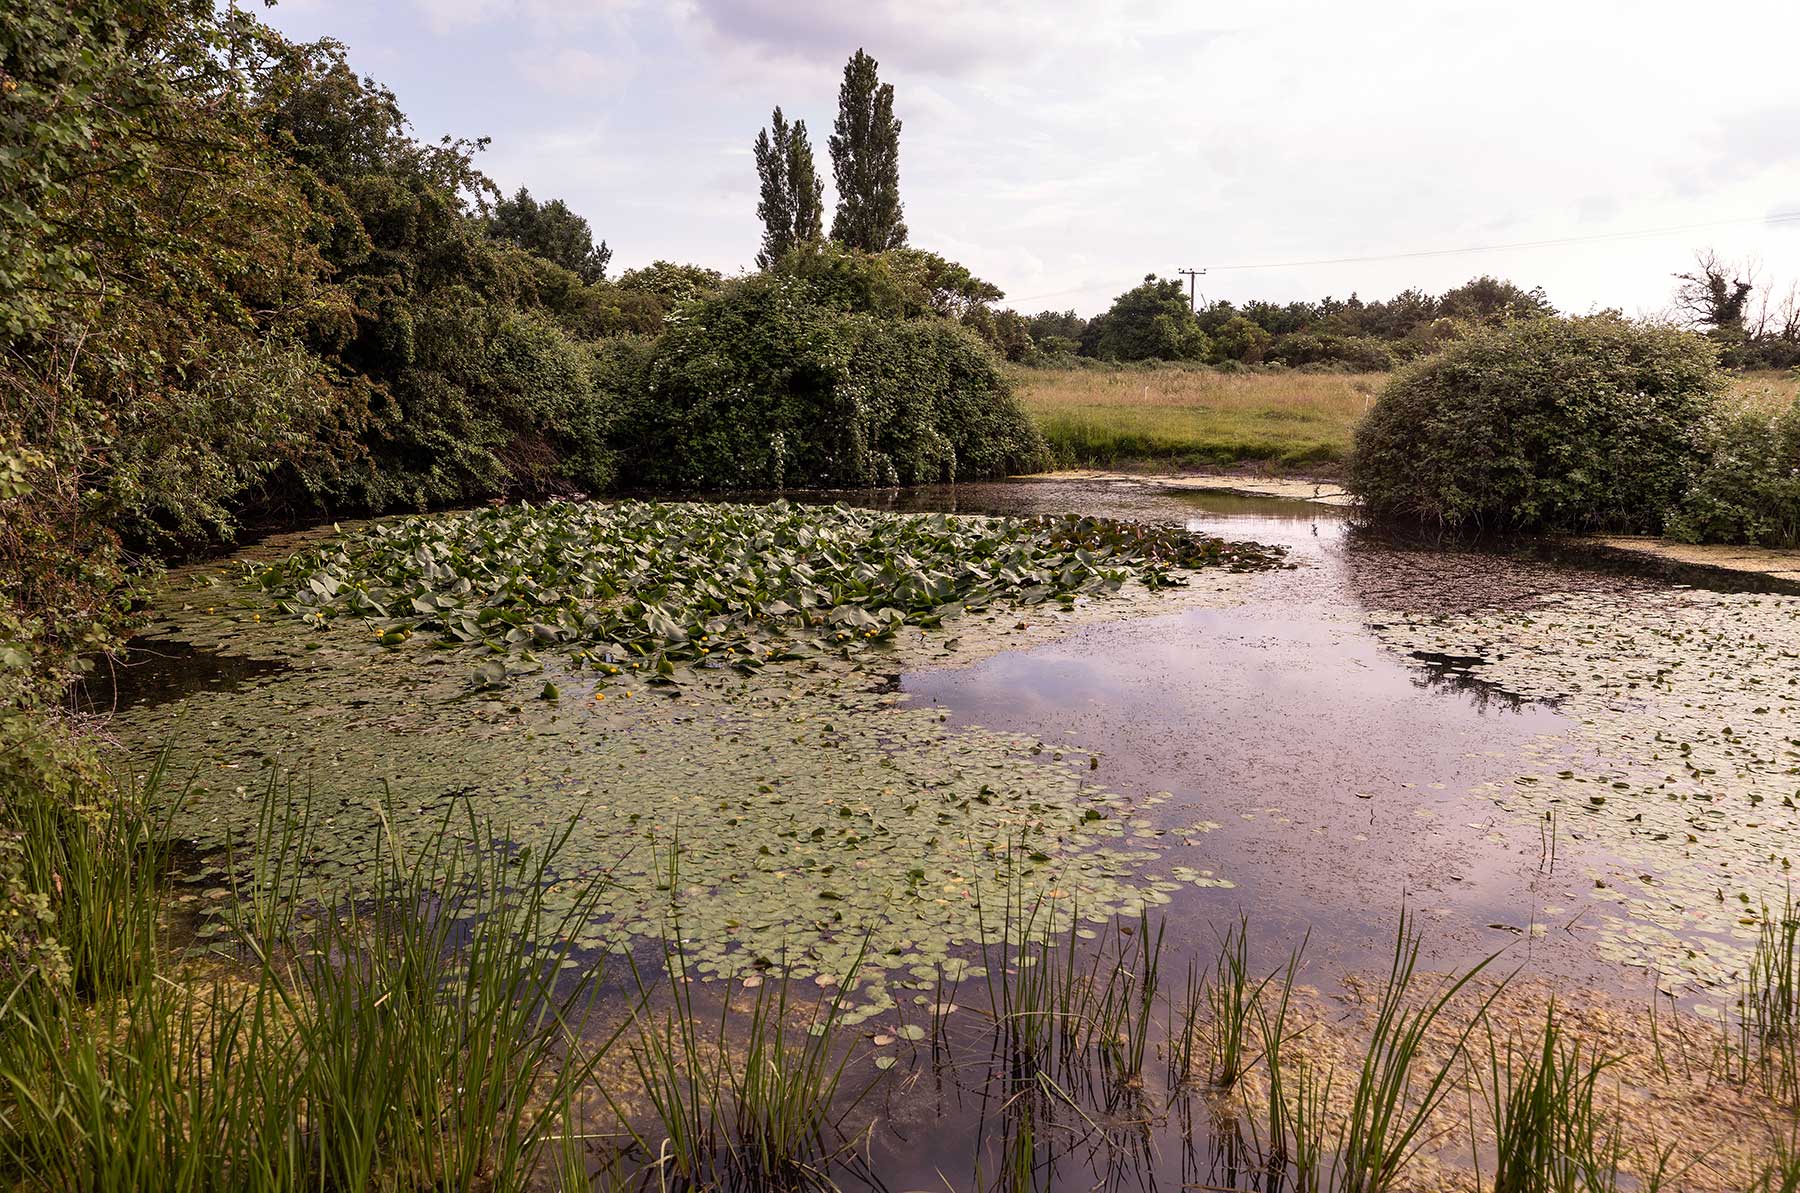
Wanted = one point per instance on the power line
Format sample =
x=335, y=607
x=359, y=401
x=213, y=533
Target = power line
x=1779, y=218
x=1785, y=217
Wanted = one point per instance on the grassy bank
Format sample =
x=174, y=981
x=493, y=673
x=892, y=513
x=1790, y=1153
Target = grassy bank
x=1188, y=418
x=435, y=1029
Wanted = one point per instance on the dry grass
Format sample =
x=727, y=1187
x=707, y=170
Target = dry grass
x=1764, y=391
x=1190, y=417
x=1095, y=417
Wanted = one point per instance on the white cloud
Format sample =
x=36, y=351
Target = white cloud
x=456, y=16
x=1067, y=148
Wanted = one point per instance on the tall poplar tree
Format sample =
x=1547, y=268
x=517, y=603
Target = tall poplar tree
x=865, y=160
x=793, y=196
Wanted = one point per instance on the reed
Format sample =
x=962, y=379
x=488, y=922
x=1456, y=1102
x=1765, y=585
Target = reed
x=1769, y=1019
x=99, y=855
x=1781, y=1174
x=745, y=1101
x=1551, y=1135
x=1305, y=1106
x=425, y=1034
x=1273, y=1033
x=1397, y=1088
x=1231, y=1000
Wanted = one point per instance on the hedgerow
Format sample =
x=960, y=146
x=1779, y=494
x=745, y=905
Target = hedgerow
x=1542, y=424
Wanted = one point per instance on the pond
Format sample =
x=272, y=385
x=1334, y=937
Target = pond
x=1592, y=770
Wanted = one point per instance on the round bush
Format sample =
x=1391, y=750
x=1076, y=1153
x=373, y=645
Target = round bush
x=762, y=387
x=1548, y=424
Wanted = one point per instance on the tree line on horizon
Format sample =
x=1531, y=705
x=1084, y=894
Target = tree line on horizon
x=1152, y=321
x=236, y=287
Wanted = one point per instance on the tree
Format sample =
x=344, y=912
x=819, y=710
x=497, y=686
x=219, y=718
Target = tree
x=459, y=372
x=793, y=195
x=1005, y=331
x=158, y=283
x=671, y=282
x=1485, y=299
x=950, y=289
x=1152, y=321
x=1711, y=296
x=551, y=231
x=1061, y=324
x=1242, y=340
x=865, y=161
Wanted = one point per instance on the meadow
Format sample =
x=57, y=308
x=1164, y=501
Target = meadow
x=1200, y=417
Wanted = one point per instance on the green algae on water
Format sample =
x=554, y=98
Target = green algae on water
x=773, y=815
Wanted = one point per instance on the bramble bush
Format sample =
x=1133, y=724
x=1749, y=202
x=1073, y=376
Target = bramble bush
x=1542, y=424
x=765, y=386
x=1747, y=490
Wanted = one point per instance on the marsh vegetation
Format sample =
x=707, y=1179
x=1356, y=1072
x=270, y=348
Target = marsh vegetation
x=757, y=919
x=831, y=813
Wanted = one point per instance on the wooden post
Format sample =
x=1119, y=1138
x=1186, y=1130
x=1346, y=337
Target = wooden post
x=1191, y=275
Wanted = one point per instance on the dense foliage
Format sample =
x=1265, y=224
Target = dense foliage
x=235, y=284
x=1747, y=488
x=1561, y=424
x=780, y=379
x=161, y=281
x=638, y=587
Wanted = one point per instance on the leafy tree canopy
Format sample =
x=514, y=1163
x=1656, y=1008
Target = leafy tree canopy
x=671, y=282
x=551, y=231
x=1151, y=321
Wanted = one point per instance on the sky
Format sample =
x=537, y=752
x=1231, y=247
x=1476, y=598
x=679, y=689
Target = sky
x=1065, y=150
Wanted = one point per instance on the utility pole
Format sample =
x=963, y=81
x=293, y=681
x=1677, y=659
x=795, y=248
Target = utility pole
x=1191, y=275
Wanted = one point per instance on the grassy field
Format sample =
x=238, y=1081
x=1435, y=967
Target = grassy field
x=1763, y=391
x=1298, y=422
x=1188, y=418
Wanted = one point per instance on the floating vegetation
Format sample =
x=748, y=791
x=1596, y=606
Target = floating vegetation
x=777, y=813
x=652, y=587
x=1680, y=775
x=440, y=1027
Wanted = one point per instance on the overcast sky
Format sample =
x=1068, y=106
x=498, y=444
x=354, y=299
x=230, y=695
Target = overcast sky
x=1064, y=150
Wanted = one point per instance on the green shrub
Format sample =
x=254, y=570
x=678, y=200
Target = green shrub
x=761, y=387
x=846, y=279
x=939, y=405
x=1153, y=320
x=1748, y=490
x=1359, y=353
x=1554, y=424
x=1242, y=341
x=490, y=399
